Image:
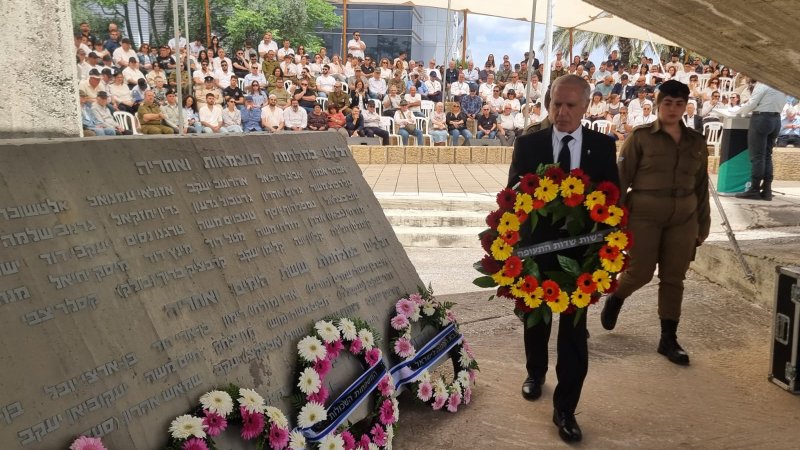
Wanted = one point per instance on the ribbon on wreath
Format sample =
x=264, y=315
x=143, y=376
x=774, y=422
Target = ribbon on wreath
x=562, y=244
x=438, y=347
x=347, y=402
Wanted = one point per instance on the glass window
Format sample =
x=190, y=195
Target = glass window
x=371, y=19
x=386, y=20
x=355, y=18
x=402, y=20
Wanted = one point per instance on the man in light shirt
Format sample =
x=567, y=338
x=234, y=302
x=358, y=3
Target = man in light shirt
x=180, y=44
x=325, y=82
x=266, y=45
x=211, y=116
x=132, y=74
x=224, y=74
x=288, y=66
x=645, y=117
x=485, y=91
x=505, y=127
x=124, y=53
x=471, y=74
x=285, y=50
x=272, y=116
x=356, y=46
x=295, y=118
x=460, y=88
x=414, y=101
x=514, y=84
x=377, y=86
x=254, y=75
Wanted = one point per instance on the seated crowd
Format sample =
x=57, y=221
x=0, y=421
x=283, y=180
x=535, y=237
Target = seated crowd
x=270, y=88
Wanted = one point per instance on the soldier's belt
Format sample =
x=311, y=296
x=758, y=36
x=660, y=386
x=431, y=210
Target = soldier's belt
x=674, y=193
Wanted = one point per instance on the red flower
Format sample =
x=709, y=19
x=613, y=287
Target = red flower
x=493, y=219
x=599, y=213
x=504, y=291
x=574, y=200
x=624, y=222
x=586, y=284
x=486, y=240
x=551, y=290
x=512, y=267
x=578, y=173
x=595, y=298
x=570, y=310
x=519, y=305
x=490, y=265
x=529, y=283
x=610, y=190
x=538, y=204
x=609, y=253
x=506, y=199
x=628, y=234
x=511, y=237
x=529, y=183
x=555, y=173
x=522, y=216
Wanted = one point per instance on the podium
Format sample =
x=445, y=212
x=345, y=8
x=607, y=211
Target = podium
x=734, y=159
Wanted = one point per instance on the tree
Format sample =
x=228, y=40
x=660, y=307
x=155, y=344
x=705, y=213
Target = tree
x=629, y=49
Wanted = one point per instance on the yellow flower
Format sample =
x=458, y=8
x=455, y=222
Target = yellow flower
x=561, y=304
x=580, y=299
x=614, y=216
x=501, y=251
x=524, y=202
x=602, y=279
x=547, y=190
x=532, y=302
x=594, y=198
x=614, y=265
x=502, y=280
x=571, y=186
x=617, y=239
x=508, y=222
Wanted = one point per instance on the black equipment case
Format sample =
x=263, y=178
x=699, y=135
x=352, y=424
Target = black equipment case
x=786, y=329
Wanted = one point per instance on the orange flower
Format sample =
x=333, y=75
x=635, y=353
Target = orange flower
x=529, y=284
x=608, y=252
x=511, y=237
x=551, y=290
x=512, y=267
x=586, y=283
x=599, y=213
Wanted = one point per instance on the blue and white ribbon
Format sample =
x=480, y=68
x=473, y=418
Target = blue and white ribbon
x=438, y=347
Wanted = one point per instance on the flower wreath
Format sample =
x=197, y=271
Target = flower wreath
x=267, y=424
x=587, y=210
x=421, y=307
x=317, y=352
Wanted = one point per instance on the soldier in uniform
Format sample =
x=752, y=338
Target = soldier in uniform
x=664, y=163
x=339, y=98
x=208, y=88
x=150, y=116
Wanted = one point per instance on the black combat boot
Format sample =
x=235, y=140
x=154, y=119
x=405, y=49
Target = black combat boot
x=754, y=193
x=610, y=312
x=668, y=345
x=766, y=190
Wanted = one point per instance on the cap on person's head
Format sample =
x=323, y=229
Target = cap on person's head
x=105, y=71
x=102, y=94
x=248, y=98
x=208, y=78
x=473, y=88
x=94, y=73
x=92, y=55
x=647, y=103
x=82, y=93
x=142, y=82
x=106, y=57
x=403, y=103
x=434, y=74
x=511, y=92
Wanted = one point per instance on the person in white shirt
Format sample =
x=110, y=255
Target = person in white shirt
x=414, y=101
x=505, y=126
x=295, y=118
x=285, y=50
x=124, y=53
x=602, y=73
x=223, y=75
x=181, y=42
x=536, y=89
x=485, y=91
x=376, y=86
x=471, y=74
x=132, y=74
x=513, y=84
x=535, y=116
x=220, y=59
x=406, y=124
x=83, y=66
x=645, y=117
x=199, y=75
x=254, y=75
x=272, y=116
x=288, y=66
x=690, y=118
x=559, y=55
x=211, y=116
x=325, y=82
x=356, y=46
x=636, y=105
x=496, y=102
x=196, y=47
x=434, y=87
x=712, y=107
x=266, y=45
x=459, y=88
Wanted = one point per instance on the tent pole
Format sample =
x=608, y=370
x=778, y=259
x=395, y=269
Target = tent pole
x=188, y=54
x=530, y=66
x=344, y=30
x=446, y=62
x=571, y=41
x=176, y=20
x=464, y=42
x=208, y=25
x=548, y=44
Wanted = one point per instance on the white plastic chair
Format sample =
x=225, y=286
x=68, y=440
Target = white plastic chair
x=345, y=88
x=713, y=133
x=127, y=121
x=725, y=85
x=602, y=126
x=586, y=123
x=702, y=80
x=422, y=124
x=240, y=81
x=387, y=123
x=378, y=105
x=427, y=107
x=322, y=102
x=286, y=84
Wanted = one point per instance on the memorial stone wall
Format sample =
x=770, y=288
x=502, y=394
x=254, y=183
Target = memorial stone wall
x=138, y=273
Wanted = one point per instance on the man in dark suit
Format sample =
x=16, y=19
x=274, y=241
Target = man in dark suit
x=624, y=89
x=571, y=146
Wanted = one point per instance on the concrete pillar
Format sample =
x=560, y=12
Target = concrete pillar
x=38, y=95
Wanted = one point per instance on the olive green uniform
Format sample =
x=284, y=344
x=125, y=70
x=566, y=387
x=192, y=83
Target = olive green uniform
x=669, y=209
x=152, y=126
x=202, y=92
x=341, y=100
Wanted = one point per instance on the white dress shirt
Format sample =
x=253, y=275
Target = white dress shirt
x=211, y=116
x=574, y=146
x=295, y=118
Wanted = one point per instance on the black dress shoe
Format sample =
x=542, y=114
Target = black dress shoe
x=532, y=388
x=610, y=312
x=568, y=428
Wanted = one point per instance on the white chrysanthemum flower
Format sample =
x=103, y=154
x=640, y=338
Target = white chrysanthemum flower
x=428, y=309
x=186, y=426
x=439, y=387
x=327, y=331
x=251, y=400
x=389, y=437
x=311, y=349
x=309, y=381
x=219, y=402
x=297, y=441
x=332, y=442
x=348, y=329
x=373, y=446
x=463, y=358
x=425, y=376
x=463, y=378
x=277, y=417
x=445, y=321
x=311, y=413
x=367, y=338
x=395, y=410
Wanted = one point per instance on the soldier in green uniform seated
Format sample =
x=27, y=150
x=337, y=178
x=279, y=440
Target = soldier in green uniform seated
x=150, y=116
x=339, y=98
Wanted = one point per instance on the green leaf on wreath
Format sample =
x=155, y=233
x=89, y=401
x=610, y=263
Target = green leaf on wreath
x=533, y=318
x=484, y=282
x=530, y=266
x=591, y=263
x=533, y=219
x=547, y=313
x=560, y=211
x=575, y=224
x=565, y=281
x=569, y=265
x=491, y=297
x=479, y=267
x=578, y=314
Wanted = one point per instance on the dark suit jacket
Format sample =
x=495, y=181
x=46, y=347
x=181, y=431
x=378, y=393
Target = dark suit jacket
x=629, y=89
x=697, y=124
x=598, y=160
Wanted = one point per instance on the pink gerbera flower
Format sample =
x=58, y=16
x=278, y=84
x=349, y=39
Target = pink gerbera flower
x=373, y=356
x=387, y=412
x=214, y=423
x=320, y=396
x=194, y=444
x=467, y=395
x=322, y=367
x=405, y=307
x=385, y=386
x=399, y=322
x=252, y=423
x=278, y=437
x=349, y=440
x=403, y=348
x=378, y=435
x=425, y=391
x=416, y=298
x=439, y=401
x=87, y=443
x=364, y=442
x=454, y=401
x=333, y=349
x=356, y=346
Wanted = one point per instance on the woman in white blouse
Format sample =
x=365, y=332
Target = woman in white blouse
x=597, y=108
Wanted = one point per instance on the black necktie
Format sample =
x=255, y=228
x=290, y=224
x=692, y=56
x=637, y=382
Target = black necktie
x=564, y=158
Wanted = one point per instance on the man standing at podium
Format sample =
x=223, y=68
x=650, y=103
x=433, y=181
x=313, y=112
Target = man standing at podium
x=766, y=105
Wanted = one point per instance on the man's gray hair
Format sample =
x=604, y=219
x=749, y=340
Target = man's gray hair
x=573, y=80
